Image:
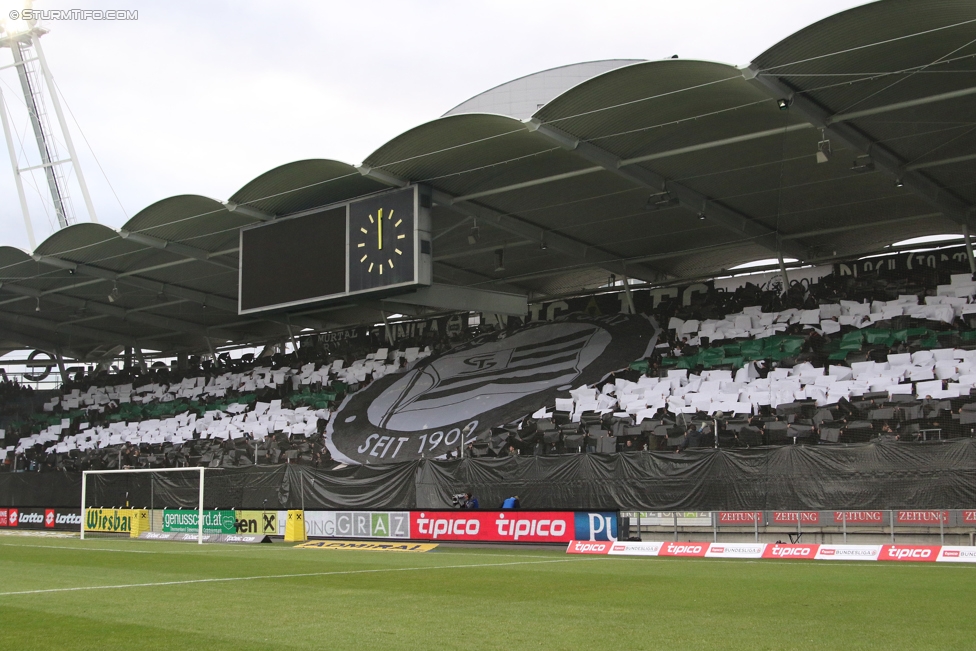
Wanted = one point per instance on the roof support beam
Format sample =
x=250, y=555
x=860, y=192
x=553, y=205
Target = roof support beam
x=177, y=248
x=129, y=278
x=77, y=330
x=526, y=230
x=922, y=186
x=566, y=245
x=247, y=211
x=134, y=316
x=32, y=340
x=688, y=198
x=897, y=106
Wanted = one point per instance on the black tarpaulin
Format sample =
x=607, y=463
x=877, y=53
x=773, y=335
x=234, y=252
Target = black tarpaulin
x=865, y=476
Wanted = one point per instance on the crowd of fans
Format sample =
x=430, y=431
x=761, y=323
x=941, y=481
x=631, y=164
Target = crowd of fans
x=840, y=360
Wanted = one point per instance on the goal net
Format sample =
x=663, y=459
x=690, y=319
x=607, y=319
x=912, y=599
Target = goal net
x=178, y=501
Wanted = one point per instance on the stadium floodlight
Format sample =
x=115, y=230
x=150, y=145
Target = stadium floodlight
x=660, y=201
x=823, y=151
x=499, y=260
x=474, y=234
x=783, y=103
x=862, y=164
x=899, y=182
x=11, y=26
x=201, y=470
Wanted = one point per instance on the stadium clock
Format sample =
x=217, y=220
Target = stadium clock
x=382, y=241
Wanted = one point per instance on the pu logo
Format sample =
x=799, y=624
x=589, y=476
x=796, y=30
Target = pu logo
x=600, y=526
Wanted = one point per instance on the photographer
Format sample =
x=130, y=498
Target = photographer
x=470, y=502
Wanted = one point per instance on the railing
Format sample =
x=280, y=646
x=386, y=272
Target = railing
x=877, y=524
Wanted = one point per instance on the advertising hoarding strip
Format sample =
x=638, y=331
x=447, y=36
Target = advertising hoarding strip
x=890, y=553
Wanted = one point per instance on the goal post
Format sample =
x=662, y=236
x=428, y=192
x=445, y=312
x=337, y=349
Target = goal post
x=200, y=508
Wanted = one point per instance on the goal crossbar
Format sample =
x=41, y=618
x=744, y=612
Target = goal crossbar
x=201, y=470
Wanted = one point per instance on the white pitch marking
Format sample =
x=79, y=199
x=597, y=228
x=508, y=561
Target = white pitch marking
x=276, y=576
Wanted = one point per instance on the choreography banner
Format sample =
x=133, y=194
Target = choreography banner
x=491, y=381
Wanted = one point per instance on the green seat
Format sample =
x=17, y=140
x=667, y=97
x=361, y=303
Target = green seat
x=752, y=348
x=839, y=356
x=792, y=345
x=875, y=336
x=640, y=365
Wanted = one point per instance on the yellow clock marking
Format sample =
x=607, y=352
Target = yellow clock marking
x=381, y=269
x=400, y=237
x=364, y=231
x=370, y=267
x=379, y=230
x=361, y=244
x=398, y=251
x=371, y=220
x=391, y=263
x=399, y=221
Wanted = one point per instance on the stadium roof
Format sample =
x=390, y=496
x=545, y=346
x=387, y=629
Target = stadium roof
x=657, y=170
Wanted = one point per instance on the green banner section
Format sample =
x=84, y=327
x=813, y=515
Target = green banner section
x=188, y=522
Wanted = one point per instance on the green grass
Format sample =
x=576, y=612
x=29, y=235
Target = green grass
x=454, y=598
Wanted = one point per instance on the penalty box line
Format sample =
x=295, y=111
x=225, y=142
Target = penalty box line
x=278, y=576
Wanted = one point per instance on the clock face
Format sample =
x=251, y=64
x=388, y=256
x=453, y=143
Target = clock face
x=381, y=241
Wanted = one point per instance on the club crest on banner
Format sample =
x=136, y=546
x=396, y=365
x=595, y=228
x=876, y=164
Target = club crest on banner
x=491, y=381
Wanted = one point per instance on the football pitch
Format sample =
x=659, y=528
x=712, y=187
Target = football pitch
x=63, y=593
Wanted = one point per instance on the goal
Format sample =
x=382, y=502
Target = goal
x=124, y=498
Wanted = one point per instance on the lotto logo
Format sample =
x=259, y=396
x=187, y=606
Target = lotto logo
x=49, y=518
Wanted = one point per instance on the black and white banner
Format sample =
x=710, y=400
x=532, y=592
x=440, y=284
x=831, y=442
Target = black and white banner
x=490, y=381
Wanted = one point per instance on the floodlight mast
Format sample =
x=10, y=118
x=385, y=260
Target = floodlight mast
x=23, y=39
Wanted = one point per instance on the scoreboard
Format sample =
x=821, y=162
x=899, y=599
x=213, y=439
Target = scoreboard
x=378, y=244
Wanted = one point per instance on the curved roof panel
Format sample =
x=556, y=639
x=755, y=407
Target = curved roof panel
x=303, y=185
x=664, y=170
x=522, y=97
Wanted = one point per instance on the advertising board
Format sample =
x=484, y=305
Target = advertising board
x=779, y=551
x=131, y=521
x=185, y=521
x=357, y=524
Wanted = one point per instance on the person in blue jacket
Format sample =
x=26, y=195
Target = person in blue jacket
x=511, y=503
x=470, y=501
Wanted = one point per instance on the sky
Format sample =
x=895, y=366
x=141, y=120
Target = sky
x=201, y=97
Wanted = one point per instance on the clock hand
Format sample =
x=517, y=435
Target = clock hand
x=379, y=230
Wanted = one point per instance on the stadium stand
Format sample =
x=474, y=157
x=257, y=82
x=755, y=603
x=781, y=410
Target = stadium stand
x=841, y=360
